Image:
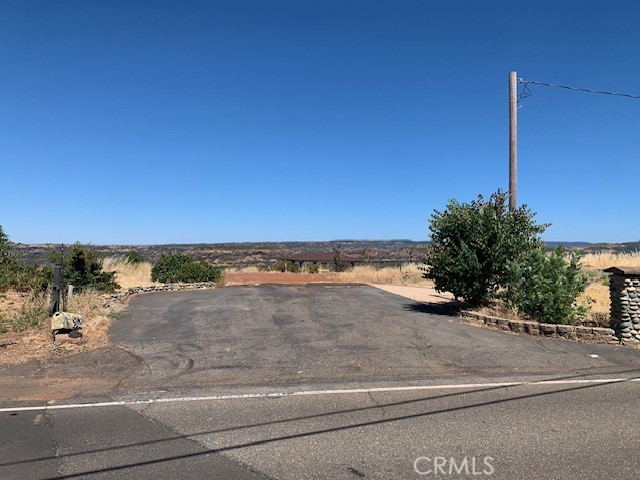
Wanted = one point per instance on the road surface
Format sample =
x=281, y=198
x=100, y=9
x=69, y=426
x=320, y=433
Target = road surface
x=328, y=381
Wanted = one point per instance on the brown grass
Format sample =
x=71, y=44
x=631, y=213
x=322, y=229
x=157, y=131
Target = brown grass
x=11, y=300
x=249, y=269
x=97, y=318
x=498, y=309
x=598, y=291
x=36, y=342
x=602, y=260
x=129, y=274
x=599, y=294
x=409, y=274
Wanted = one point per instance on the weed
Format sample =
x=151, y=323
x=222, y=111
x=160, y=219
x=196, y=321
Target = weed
x=32, y=314
x=128, y=274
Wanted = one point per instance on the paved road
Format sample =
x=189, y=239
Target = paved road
x=384, y=385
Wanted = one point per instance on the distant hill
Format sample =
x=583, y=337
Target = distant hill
x=626, y=247
x=567, y=244
x=251, y=253
x=257, y=253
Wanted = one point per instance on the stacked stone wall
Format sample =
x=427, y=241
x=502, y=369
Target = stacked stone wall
x=625, y=307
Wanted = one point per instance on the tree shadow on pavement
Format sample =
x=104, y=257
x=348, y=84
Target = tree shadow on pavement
x=451, y=309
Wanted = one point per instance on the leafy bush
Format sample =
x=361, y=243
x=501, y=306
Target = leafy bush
x=133, y=258
x=83, y=269
x=472, y=243
x=180, y=267
x=22, y=277
x=546, y=287
x=6, y=254
x=17, y=275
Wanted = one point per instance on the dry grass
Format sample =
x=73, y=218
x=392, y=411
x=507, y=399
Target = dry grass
x=97, y=317
x=250, y=269
x=602, y=260
x=129, y=274
x=598, y=291
x=599, y=294
x=36, y=342
x=11, y=300
x=498, y=309
x=409, y=274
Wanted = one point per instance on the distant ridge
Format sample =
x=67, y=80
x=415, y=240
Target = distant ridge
x=567, y=244
x=239, y=254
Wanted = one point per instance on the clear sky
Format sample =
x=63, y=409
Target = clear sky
x=138, y=122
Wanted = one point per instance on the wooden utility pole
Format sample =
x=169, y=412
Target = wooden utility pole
x=513, y=140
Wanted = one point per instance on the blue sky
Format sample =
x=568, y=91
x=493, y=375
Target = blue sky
x=138, y=122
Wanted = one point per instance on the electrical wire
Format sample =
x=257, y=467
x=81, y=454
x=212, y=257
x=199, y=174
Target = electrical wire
x=526, y=92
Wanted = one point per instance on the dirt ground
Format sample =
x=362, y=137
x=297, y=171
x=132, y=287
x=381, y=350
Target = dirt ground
x=419, y=294
x=93, y=372
x=259, y=278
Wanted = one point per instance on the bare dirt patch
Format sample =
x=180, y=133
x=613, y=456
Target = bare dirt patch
x=260, y=278
x=419, y=294
x=95, y=372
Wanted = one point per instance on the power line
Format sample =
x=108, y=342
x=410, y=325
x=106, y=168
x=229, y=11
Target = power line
x=526, y=92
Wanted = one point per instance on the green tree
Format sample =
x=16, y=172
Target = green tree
x=472, y=243
x=6, y=248
x=83, y=268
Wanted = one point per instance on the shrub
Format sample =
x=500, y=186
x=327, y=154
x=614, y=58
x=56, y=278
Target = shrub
x=17, y=275
x=22, y=277
x=180, y=267
x=546, y=287
x=285, y=266
x=472, y=243
x=338, y=264
x=83, y=269
x=133, y=258
x=312, y=267
x=6, y=254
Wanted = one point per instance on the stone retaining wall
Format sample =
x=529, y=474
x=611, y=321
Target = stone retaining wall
x=165, y=287
x=569, y=332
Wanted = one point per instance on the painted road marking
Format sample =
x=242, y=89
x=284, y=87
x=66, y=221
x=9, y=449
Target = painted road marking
x=38, y=419
x=300, y=393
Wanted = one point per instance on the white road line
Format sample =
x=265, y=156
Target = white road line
x=301, y=393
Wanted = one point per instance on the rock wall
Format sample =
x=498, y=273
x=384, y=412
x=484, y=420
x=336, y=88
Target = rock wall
x=569, y=332
x=625, y=307
x=165, y=287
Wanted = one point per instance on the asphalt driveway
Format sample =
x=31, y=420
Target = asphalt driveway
x=279, y=334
